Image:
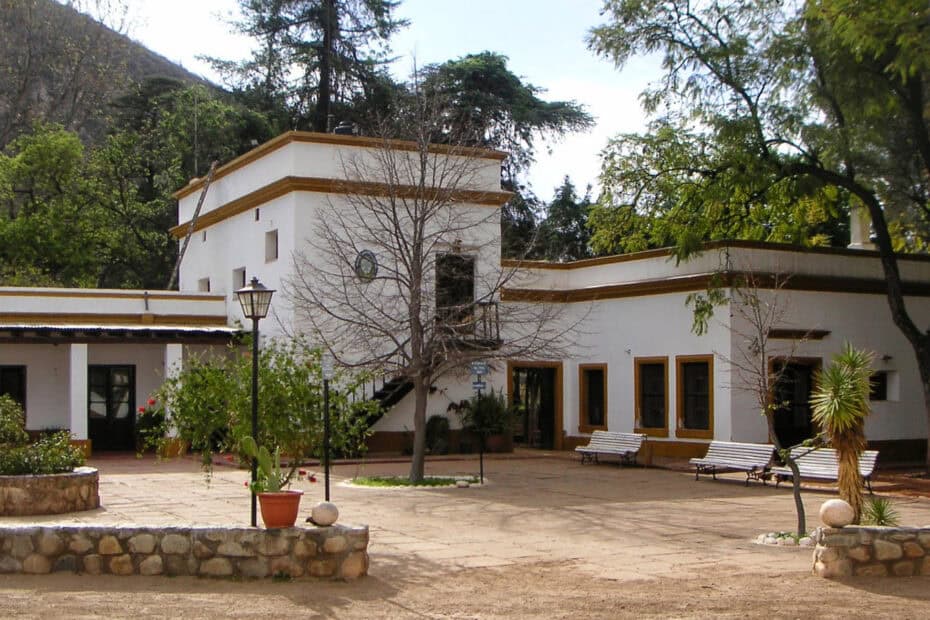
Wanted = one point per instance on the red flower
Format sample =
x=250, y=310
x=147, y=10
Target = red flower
x=151, y=402
x=245, y=484
x=141, y=409
x=301, y=472
x=312, y=478
x=229, y=457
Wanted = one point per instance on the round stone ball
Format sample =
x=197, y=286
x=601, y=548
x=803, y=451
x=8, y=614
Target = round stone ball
x=836, y=513
x=324, y=513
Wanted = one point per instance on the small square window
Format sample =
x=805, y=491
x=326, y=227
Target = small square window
x=203, y=285
x=271, y=246
x=238, y=278
x=878, y=386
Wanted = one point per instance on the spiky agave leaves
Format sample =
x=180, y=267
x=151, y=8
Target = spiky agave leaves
x=840, y=402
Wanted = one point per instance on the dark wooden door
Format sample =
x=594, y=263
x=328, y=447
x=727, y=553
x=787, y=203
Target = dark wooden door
x=793, y=422
x=111, y=407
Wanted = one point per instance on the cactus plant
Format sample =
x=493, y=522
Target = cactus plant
x=271, y=477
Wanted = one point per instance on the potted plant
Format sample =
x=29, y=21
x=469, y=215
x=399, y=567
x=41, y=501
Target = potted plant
x=279, y=505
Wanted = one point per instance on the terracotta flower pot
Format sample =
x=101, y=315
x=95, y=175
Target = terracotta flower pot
x=279, y=509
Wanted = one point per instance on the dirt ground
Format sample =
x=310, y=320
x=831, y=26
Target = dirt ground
x=537, y=591
x=547, y=538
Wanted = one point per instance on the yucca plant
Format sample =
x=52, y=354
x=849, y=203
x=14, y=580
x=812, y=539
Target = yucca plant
x=879, y=511
x=840, y=402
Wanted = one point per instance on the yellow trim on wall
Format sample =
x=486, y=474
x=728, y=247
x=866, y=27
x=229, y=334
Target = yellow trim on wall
x=330, y=138
x=98, y=294
x=286, y=185
x=637, y=404
x=690, y=433
x=42, y=318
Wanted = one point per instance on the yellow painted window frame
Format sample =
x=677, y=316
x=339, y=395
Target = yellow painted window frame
x=583, y=426
x=690, y=433
x=657, y=431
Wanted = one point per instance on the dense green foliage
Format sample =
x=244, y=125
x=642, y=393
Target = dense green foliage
x=99, y=216
x=771, y=122
x=210, y=404
x=51, y=454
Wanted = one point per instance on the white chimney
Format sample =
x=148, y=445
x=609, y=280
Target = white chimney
x=860, y=228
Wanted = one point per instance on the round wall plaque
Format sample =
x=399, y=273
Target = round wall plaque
x=366, y=265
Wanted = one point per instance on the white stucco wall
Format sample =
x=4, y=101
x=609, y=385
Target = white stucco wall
x=47, y=368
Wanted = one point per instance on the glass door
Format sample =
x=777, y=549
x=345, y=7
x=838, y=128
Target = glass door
x=111, y=407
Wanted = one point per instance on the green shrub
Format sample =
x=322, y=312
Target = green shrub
x=51, y=454
x=437, y=434
x=879, y=511
x=12, y=423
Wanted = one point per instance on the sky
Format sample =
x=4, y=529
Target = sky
x=543, y=39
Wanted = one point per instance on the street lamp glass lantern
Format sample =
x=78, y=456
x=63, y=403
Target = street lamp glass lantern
x=255, y=299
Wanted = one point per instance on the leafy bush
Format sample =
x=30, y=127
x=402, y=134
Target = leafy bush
x=210, y=402
x=12, y=423
x=51, y=454
x=437, y=434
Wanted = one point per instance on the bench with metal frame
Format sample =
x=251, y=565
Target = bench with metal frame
x=624, y=445
x=822, y=464
x=752, y=458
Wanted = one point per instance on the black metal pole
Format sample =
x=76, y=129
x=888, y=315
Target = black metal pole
x=326, y=436
x=254, y=409
x=483, y=439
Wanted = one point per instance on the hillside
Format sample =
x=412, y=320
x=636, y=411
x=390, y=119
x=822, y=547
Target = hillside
x=60, y=65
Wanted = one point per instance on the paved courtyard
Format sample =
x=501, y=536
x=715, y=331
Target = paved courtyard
x=539, y=518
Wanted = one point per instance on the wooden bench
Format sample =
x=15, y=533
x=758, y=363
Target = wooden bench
x=822, y=464
x=752, y=458
x=624, y=445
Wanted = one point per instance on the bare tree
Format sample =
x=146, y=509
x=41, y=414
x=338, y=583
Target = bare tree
x=759, y=307
x=423, y=215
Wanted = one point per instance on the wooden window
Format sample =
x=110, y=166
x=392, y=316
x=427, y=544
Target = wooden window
x=203, y=285
x=592, y=383
x=238, y=278
x=271, y=246
x=695, y=396
x=13, y=383
x=650, y=377
x=878, y=386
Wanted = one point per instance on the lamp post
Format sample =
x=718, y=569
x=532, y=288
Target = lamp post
x=255, y=300
x=328, y=365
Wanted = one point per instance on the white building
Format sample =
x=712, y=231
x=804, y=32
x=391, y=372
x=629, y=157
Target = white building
x=635, y=363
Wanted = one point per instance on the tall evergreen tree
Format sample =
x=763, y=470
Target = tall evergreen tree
x=312, y=58
x=564, y=234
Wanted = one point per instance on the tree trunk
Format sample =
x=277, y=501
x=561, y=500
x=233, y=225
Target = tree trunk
x=324, y=93
x=421, y=396
x=795, y=474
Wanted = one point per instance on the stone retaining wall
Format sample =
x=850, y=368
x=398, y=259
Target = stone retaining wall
x=49, y=494
x=859, y=551
x=335, y=552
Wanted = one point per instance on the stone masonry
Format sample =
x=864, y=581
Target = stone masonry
x=49, y=494
x=859, y=551
x=335, y=552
